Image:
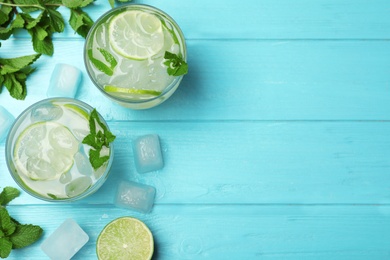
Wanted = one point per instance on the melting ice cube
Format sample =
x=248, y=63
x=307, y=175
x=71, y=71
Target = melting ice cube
x=6, y=120
x=65, y=241
x=136, y=196
x=147, y=153
x=64, y=82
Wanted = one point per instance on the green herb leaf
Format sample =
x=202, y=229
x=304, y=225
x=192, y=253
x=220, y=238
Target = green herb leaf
x=112, y=3
x=108, y=70
x=5, y=247
x=25, y=235
x=8, y=194
x=96, y=160
x=15, y=72
x=176, y=66
x=16, y=64
x=97, y=139
x=99, y=64
x=80, y=21
x=76, y=3
x=56, y=20
x=6, y=224
x=109, y=58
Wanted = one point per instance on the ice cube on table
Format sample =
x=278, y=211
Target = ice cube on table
x=136, y=196
x=65, y=241
x=64, y=82
x=147, y=153
x=6, y=120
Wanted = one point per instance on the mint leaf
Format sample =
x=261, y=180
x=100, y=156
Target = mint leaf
x=6, y=224
x=176, y=66
x=76, y=3
x=97, y=139
x=95, y=158
x=8, y=194
x=80, y=21
x=112, y=3
x=109, y=58
x=25, y=235
x=16, y=64
x=56, y=20
x=15, y=72
x=99, y=64
x=5, y=247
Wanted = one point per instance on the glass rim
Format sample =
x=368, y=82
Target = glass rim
x=9, y=151
x=167, y=89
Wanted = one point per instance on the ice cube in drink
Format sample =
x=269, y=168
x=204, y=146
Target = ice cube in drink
x=46, y=153
x=136, y=55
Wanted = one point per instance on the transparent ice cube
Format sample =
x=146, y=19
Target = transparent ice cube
x=83, y=164
x=46, y=112
x=6, y=120
x=78, y=186
x=65, y=241
x=147, y=153
x=64, y=81
x=66, y=177
x=136, y=196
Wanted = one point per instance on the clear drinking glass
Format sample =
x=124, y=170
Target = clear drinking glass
x=124, y=55
x=45, y=154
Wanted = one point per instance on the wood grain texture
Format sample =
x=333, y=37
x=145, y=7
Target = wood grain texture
x=234, y=232
x=276, y=144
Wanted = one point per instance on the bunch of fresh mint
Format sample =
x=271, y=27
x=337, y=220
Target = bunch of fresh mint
x=14, y=235
x=41, y=19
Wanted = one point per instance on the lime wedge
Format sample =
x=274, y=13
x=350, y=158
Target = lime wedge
x=125, y=238
x=136, y=35
x=44, y=151
x=115, y=89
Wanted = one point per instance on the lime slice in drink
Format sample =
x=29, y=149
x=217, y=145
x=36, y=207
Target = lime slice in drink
x=125, y=238
x=115, y=89
x=136, y=35
x=44, y=151
x=78, y=110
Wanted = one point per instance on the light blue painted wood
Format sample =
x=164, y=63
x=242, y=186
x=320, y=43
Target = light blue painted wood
x=234, y=232
x=269, y=19
x=276, y=144
x=248, y=80
x=256, y=162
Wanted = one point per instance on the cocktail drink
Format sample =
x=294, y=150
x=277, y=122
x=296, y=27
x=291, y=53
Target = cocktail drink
x=136, y=55
x=59, y=149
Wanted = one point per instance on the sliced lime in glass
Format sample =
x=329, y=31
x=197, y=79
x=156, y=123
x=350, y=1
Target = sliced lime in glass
x=136, y=35
x=115, y=89
x=44, y=151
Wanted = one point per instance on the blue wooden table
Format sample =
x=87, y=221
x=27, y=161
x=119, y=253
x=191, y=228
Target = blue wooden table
x=276, y=144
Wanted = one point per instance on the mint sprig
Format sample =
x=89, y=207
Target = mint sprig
x=14, y=235
x=176, y=66
x=97, y=138
x=14, y=72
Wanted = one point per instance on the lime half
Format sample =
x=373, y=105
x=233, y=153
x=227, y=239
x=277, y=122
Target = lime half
x=45, y=150
x=136, y=35
x=125, y=238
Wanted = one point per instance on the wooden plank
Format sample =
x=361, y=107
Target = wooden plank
x=253, y=162
x=246, y=80
x=232, y=231
x=268, y=19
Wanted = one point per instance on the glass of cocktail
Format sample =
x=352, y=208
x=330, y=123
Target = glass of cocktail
x=59, y=149
x=136, y=55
